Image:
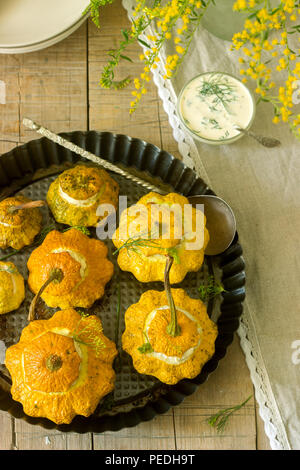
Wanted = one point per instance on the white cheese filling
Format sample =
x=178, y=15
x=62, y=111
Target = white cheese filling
x=10, y=225
x=78, y=202
x=174, y=360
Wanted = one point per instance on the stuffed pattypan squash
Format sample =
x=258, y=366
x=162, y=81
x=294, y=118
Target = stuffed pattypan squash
x=156, y=226
x=69, y=269
x=61, y=367
x=12, y=290
x=75, y=195
x=169, y=335
x=20, y=221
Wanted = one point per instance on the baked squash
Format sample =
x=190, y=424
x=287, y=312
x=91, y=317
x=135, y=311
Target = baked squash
x=75, y=195
x=20, y=221
x=168, y=334
x=155, y=226
x=61, y=367
x=81, y=264
x=12, y=290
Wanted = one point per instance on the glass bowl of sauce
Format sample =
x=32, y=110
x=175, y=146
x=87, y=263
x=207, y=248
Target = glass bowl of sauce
x=213, y=105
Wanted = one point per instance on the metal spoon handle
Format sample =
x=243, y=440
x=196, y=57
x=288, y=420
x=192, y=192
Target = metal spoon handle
x=88, y=155
x=269, y=142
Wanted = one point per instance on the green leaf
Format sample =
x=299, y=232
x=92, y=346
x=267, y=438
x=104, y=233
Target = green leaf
x=126, y=58
x=125, y=34
x=143, y=43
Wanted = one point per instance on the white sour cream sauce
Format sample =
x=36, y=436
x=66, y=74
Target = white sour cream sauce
x=173, y=360
x=214, y=104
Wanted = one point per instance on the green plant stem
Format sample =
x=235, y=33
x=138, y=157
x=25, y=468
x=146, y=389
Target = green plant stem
x=173, y=329
x=56, y=275
x=8, y=255
x=220, y=419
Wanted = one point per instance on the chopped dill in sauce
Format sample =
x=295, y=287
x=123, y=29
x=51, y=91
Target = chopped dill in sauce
x=214, y=104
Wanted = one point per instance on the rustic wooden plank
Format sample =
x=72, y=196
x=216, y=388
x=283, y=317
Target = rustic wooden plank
x=227, y=386
x=49, y=86
x=262, y=441
x=6, y=146
x=109, y=109
x=28, y=437
x=6, y=431
x=192, y=431
x=153, y=435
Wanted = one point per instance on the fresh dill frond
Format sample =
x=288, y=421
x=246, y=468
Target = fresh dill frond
x=146, y=346
x=8, y=255
x=220, y=419
x=217, y=86
x=133, y=242
x=211, y=290
x=90, y=333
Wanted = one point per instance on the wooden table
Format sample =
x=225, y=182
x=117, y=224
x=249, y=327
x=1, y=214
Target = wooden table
x=59, y=87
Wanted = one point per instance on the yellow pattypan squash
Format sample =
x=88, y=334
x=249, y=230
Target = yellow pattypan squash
x=18, y=227
x=61, y=367
x=156, y=226
x=154, y=350
x=75, y=195
x=81, y=264
x=12, y=290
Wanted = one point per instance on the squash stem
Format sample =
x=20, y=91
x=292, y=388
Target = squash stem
x=173, y=329
x=27, y=205
x=55, y=275
x=53, y=362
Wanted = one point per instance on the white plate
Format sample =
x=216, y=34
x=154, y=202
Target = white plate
x=29, y=25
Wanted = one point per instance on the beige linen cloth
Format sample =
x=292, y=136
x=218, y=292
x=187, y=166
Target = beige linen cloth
x=263, y=188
